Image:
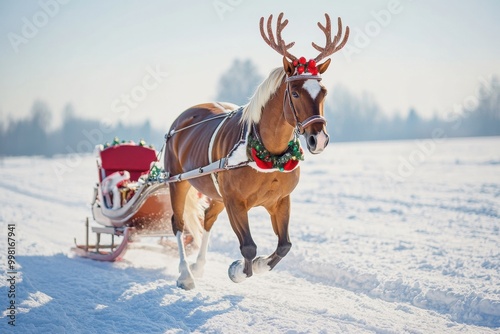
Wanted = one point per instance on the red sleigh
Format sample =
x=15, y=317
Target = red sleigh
x=129, y=202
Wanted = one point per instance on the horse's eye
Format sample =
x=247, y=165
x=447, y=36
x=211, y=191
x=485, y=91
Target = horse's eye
x=295, y=95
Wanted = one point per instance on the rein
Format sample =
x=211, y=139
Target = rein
x=300, y=126
x=224, y=115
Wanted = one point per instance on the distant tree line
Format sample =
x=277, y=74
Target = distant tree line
x=239, y=82
x=29, y=136
x=350, y=118
x=353, y=118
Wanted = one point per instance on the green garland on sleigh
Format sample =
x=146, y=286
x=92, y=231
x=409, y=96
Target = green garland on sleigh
x=116, y=141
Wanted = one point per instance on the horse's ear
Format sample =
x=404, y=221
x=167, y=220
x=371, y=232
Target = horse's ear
x=324, y=66
x=288, y=67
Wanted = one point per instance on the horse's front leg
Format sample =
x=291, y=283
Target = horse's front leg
x=280, y=217
x=238, y=216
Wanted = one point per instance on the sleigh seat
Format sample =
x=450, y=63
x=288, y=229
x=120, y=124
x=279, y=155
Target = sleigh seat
x=124, y=195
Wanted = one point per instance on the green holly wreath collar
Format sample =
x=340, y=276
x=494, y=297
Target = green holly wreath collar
x=287, y=161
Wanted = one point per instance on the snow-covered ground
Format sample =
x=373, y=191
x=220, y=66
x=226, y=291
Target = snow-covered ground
x=392, y=237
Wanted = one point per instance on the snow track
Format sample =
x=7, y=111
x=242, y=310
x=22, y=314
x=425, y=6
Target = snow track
x=420, y=254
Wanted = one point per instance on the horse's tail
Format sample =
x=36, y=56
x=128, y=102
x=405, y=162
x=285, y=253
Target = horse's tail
x=194, y=214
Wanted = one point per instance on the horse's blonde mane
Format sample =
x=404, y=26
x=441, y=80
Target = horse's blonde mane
x=253, y=110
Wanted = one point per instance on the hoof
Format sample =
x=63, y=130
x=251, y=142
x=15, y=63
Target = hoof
x=235, y=272
x=197, y=269
x=186, y=284
x=260, y=265
x=186, y=279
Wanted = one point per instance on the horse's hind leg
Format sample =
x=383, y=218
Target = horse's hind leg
x=211, y=214
x=178, y=193
x=280, y=217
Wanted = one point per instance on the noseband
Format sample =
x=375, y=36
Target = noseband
x=300, y=126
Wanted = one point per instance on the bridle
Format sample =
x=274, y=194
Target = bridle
x=301, y=125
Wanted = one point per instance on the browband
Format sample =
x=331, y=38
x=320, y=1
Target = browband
x=302, y=77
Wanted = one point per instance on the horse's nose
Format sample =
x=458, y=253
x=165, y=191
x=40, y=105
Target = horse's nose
x=316, y=143
x=311, y=141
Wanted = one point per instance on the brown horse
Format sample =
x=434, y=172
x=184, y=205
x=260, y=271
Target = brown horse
x=257, y=146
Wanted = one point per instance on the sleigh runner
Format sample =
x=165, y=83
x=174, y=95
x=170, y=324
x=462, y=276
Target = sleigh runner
x=130, y=202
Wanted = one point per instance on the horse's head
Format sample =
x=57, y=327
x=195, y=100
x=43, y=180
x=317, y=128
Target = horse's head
x=304, y=94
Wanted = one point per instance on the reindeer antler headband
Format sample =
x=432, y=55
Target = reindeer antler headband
x=280, y=46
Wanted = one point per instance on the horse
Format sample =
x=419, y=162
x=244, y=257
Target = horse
x=259, y=147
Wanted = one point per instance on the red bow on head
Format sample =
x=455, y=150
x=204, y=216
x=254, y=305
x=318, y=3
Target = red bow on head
x=304, y=66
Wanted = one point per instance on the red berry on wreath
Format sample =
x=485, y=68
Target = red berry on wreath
x=312, y=63
x=302, y=60
x=295, y=62
x=300, y=69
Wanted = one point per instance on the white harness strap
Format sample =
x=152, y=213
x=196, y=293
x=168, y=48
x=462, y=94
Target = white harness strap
x=210, y=148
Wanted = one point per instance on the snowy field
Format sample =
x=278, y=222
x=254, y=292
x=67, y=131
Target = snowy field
x=391, y=237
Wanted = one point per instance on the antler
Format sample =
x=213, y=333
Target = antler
x=331, y=47
x=279, y=44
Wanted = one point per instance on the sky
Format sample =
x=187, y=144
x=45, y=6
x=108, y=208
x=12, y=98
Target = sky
x=132, y=61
